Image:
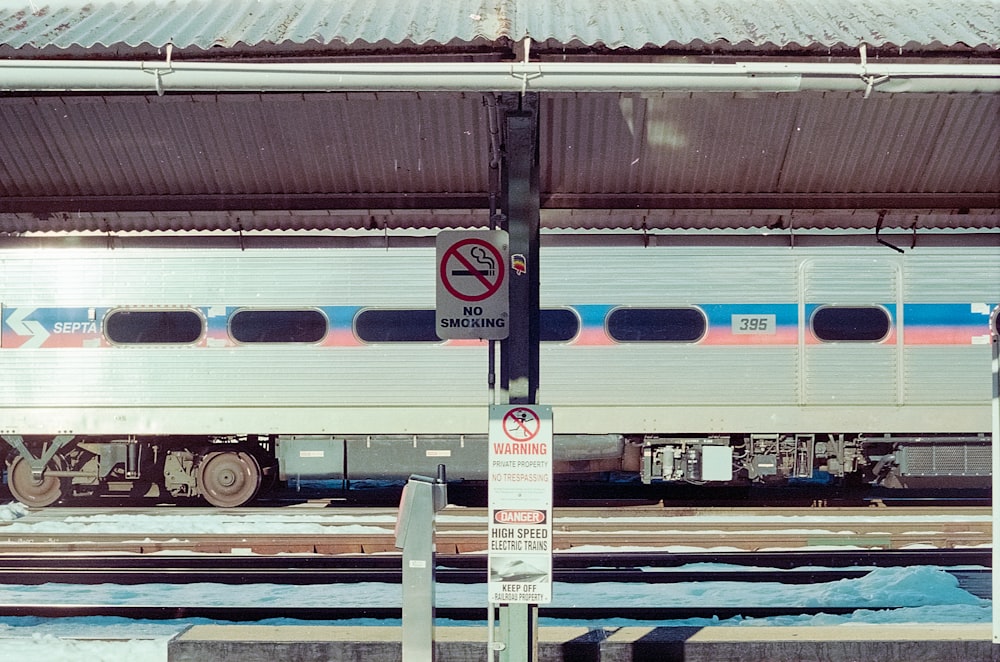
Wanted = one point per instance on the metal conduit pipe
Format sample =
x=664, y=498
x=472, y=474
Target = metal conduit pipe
x=166, y=75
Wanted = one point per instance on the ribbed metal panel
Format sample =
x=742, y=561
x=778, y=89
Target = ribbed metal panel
x=203, y=278
x=701, y=24
x=249, y=220
x=649, y=374
x=848, y=280
x=400, y=144
x=746, y=24
x=938, y=375
x=789, y=220
x=236, y=144
x=661, y=143
x=204, y=25
x=667, y=275
x=850, y=374
x=380, y=220
x=898, y=143
x=959, y=277
x=803, y=143
x=276, y=376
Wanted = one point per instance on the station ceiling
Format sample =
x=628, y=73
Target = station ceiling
x=117, y=161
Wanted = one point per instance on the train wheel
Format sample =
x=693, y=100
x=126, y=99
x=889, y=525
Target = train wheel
x=29, y=491
x=229, y=478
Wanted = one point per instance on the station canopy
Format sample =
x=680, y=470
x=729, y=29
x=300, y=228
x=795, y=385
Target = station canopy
x=196, y=115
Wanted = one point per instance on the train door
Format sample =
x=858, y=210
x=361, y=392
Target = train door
x=848, y=339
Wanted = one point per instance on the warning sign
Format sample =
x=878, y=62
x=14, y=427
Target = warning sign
x=520, y=504
x=472, y=301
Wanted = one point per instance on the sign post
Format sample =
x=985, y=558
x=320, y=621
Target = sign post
x=520, y=504
x=519, y=352
x=995, y=437
x=472, y=299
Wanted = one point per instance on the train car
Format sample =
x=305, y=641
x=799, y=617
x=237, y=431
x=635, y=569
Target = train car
x=166, y=366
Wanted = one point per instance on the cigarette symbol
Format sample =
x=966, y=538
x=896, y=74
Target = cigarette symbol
x=483, y=257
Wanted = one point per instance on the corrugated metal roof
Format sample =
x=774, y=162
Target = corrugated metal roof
x=801, y=143
x=271, y=144
x=641, y=162
x=649, y=160
x=694, y=25
x=410, y=143
x=756, y=24
x=380, y=221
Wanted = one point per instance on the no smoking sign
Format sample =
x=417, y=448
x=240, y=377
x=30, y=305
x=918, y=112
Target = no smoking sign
x=472, y=300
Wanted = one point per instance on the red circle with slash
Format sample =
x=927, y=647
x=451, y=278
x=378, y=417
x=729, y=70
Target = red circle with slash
x=521, y=424
x=460, y=260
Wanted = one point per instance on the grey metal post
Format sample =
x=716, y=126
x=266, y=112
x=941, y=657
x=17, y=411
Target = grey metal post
x=422, y=497
x=995, y=438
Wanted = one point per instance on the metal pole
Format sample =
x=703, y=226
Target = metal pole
x=995, y=438
x=520, y=193
x=519, y=352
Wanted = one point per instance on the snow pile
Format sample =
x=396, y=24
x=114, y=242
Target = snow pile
x=12, y=511
x=55, y=649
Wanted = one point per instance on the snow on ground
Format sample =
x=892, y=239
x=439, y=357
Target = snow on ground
x=931, y=596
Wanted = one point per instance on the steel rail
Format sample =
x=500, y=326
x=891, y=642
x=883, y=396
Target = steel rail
x=457, y=543
x=650, y=568
x=250, y=614
x=795, y=568
x=464, y=530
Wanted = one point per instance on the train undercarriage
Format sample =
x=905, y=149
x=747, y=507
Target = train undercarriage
x=231, y=471
x=225, y=473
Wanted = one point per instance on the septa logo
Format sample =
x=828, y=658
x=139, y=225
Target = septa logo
x=519, y=516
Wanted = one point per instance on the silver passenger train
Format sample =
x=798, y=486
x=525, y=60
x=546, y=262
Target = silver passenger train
x=205, y=369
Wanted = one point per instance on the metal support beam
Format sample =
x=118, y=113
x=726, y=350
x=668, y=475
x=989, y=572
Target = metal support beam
x=520, y=203
x=406, y=200
x=995, y=437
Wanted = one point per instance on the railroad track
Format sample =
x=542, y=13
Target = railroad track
x=577, y=568
x=644, y=568
x=475, y=614
x=319, y=530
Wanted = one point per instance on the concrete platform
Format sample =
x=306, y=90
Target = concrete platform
x=897, y=643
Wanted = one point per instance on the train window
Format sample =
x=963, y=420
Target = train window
x=657, y=324
x=558, y=325
x=280, y=326
x=851, y=323
x=153, y=327
x=376, y=325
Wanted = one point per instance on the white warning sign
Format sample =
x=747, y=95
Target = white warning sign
x=520, y=504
